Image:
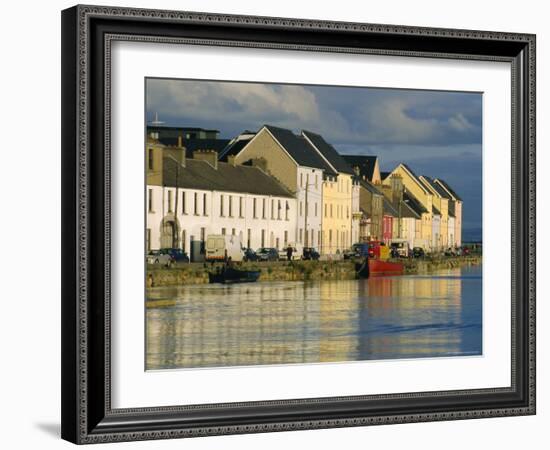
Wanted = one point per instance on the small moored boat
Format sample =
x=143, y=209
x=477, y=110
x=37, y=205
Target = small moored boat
x=229, y=275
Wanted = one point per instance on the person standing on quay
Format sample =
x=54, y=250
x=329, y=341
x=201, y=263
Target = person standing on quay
x=289, y=253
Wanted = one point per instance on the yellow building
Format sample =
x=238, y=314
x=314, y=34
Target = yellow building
x=441, y=202
x=339, y=210
x=413, y=185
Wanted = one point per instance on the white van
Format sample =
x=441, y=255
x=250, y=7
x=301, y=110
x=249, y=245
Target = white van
x=220, y=247
x=401, y=246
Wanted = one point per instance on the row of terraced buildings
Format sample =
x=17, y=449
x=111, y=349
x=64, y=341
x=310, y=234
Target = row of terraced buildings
x=273, y=187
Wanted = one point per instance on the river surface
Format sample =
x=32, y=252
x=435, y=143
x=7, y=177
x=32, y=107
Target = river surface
x=414, y=316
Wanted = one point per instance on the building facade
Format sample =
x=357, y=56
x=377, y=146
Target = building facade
x=201, y=196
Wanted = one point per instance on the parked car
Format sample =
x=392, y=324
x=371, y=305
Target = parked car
x=310, y=253
x=349, y=253
x=156, y=257
x=177, y=253
x=249, y=255
x=267, y=254
x=362, y=250
x=418, y=252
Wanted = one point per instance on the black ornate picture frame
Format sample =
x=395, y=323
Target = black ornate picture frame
x=87, y=35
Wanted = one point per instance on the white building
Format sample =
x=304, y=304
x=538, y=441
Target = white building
x=202, y=196
x=296, y=165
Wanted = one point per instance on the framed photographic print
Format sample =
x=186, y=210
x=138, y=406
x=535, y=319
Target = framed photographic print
x=281, y=224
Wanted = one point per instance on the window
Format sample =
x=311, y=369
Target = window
x=272, y=209
x=286, y=238
x=248, y=237
x=223, y=231
x=326, y=206
x=316, y=181
x=278, y=209
x=286, y=210
x=169, y=201
x=233, y=232
x=315, y=209
x=204, y=208
x=301, y=212
x=241, y=207
x=196, y=204
x=301, y=180
x=148, y=239
x=319, y=238
x=254, y=215
x=230, y=206
x=263, y=209
x=203, y=234
x=300, y=236
x=263, y=238
x=150, y=201
x=150, y=159
x=331, y=210
x=221, y=206
x=183, y=203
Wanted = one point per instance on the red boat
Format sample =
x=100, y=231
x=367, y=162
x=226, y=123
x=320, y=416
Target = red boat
x=378, y=252
x=378, y=267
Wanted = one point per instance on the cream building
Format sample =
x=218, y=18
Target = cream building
x=188, y=199
x=412, y=184
x=457, y=211
x=340, y=213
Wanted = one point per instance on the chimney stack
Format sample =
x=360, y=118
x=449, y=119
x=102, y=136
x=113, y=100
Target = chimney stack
x=396, y=188
x=210, y=156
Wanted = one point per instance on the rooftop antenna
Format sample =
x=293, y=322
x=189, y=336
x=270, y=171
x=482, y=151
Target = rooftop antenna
x=156, y=122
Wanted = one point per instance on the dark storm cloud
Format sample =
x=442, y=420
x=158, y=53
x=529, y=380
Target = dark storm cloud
x=438, y=132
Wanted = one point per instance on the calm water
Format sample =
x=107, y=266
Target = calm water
x=301, y=322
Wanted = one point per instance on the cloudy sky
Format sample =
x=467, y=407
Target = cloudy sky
x=437, y=133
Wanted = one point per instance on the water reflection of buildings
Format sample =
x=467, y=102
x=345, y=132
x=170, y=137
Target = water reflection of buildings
x=338, y=340
x=293, y=322
x=235, y=326
x=410, y=316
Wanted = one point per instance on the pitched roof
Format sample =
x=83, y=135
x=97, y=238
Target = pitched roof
x=408, y=211
x=365, y=163
x=329, y=152
x=299, y=149
x=234, y=147
x=370, y=187
x=435, y=211
x=384, y=175
x=199, y=174
x=413, y=203
x=389, y=209
x=448, y=188
x=436, y=187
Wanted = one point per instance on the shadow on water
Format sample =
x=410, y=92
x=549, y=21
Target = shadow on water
x=327, y=321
